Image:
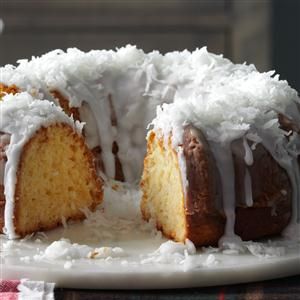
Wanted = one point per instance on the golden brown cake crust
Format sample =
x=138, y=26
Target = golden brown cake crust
x=205, y=223
x=271, y=210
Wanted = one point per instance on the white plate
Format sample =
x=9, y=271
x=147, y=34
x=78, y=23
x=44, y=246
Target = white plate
x=130, y=273
x=141, y=267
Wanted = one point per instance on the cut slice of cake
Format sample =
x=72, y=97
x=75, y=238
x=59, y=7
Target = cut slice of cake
x=48, y=173
x=182, y=213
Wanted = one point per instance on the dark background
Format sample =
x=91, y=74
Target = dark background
x=263, y=32
x=286, y=40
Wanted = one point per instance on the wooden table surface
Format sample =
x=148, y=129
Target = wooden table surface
x=279, y=289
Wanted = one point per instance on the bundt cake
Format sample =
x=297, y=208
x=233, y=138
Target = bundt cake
x=223, y=162
x=220, y=161
x=47, y=172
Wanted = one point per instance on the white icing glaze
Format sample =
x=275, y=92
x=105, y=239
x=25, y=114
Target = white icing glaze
x=92, y=137
x=182, y=168
x=207, y=85
x=248, y=152
x=248, y=188
x=128, y=75
x=224, y=161
x=21, y=117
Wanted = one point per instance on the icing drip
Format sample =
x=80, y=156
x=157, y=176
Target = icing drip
x=224, y=161
x=92, y=137
x=248, y=152
x=4, y=142
x=106, y=133
x=249, y=161
x=99, y=106
x=248, y=188
x=182, y=168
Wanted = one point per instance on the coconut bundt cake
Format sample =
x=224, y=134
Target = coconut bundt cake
x=47, y=172
x=229, y=153
x=221, y=156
